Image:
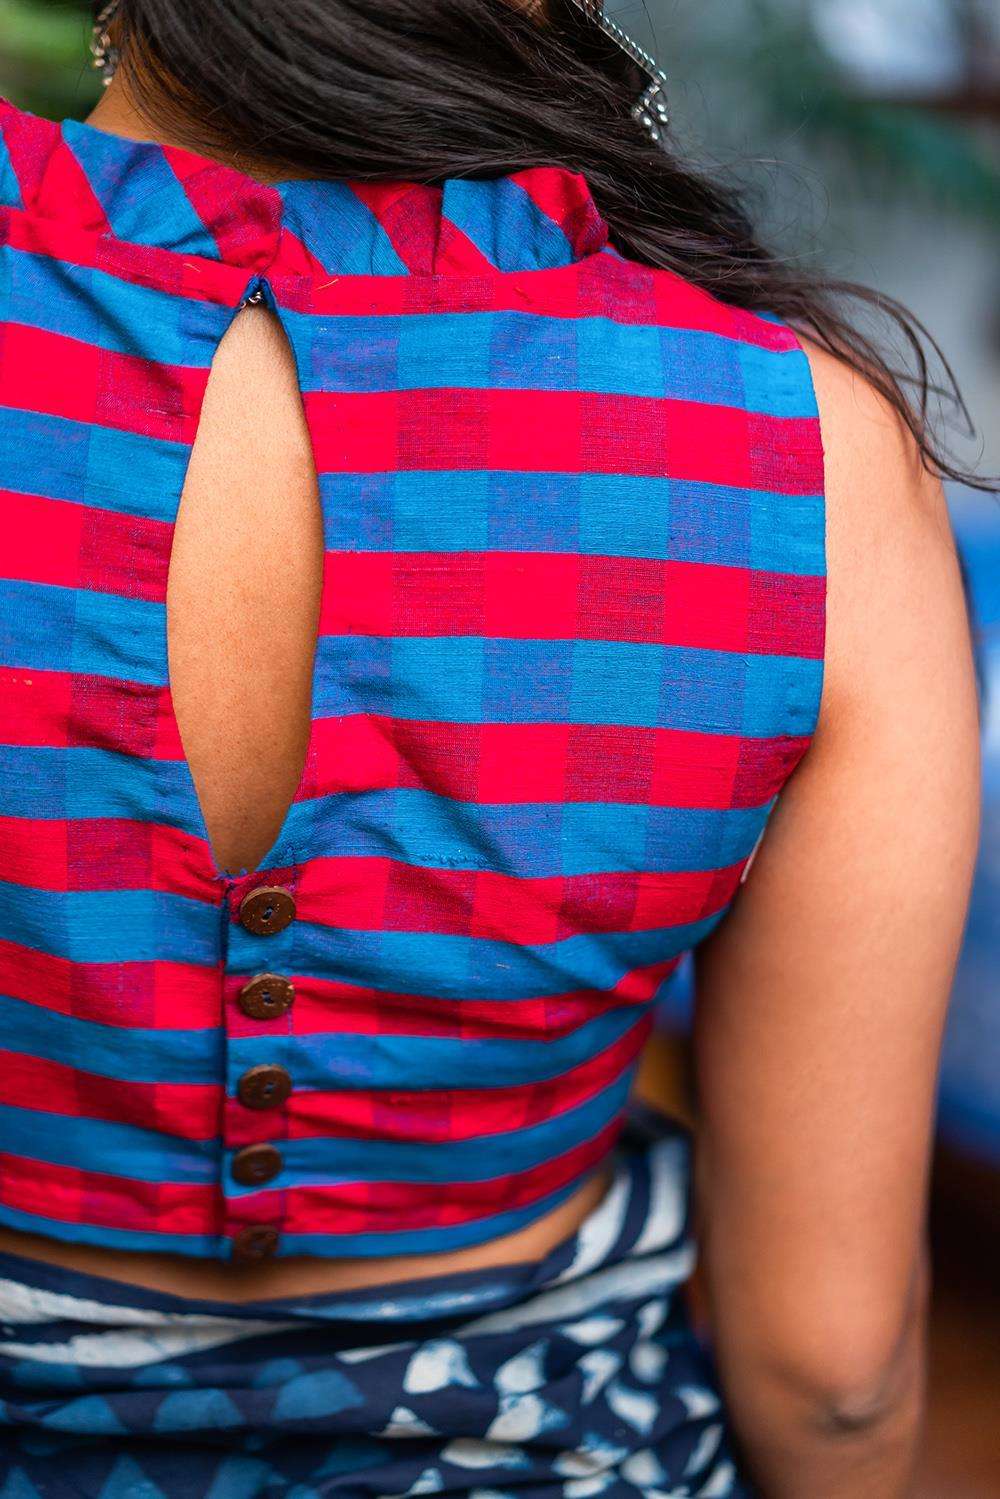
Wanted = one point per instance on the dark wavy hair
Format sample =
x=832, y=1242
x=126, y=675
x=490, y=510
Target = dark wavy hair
x=423, y=90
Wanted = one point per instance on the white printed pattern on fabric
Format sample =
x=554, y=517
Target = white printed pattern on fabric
x=580, y=1388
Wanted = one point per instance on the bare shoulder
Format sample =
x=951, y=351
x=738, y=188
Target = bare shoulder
x=870, y=452
x=894, y=585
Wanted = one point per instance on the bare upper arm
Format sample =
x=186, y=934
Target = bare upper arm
x=821, y=998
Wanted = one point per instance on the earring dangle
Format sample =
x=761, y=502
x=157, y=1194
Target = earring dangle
x=102, y=50
x=650, y=108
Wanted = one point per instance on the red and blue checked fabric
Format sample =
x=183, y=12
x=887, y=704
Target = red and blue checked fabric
x=570, y=649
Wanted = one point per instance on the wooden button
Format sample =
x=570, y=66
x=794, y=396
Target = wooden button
x=266, y=997
x=256, y=1164
x=255, y=1243
x=267, y=909
x=264, y=1087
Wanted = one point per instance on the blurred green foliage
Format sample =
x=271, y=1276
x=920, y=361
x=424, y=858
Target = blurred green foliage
x=44, y=63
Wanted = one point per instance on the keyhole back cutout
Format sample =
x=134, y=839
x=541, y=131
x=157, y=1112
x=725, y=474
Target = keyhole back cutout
x=244, y=585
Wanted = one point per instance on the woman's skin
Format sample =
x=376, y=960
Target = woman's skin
x=821, y=997
x=821, y=1000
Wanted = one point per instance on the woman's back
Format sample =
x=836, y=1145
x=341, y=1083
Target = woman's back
x=563, y=572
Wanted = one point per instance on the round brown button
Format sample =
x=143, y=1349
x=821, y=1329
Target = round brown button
x=254, y=1243
x=264, y=1087
x=256, y=1164
x=266, y=997
x=267, y=909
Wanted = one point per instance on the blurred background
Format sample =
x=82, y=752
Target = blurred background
x=867, y=133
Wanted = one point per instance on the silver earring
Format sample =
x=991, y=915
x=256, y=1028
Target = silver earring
x=650, y=109
x=102, y=50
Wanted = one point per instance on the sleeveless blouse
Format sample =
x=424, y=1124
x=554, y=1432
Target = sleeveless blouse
x=570, y=649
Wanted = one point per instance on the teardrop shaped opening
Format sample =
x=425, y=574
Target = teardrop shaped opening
x=244, y=584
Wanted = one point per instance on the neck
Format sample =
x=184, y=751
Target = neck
x=117, y=113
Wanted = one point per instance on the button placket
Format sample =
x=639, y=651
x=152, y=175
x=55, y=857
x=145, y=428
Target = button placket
x=265, y=997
